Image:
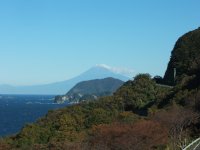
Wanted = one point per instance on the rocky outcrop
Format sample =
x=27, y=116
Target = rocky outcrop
x=185, y=57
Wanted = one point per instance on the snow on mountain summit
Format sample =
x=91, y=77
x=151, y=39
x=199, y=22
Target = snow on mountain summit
x=118, y=70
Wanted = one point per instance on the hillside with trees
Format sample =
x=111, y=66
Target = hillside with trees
x=141, y=114
x=90, y=90
x=185, y=57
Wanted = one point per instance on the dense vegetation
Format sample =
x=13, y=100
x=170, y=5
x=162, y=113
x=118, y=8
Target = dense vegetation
x=96, y=86
x=140, y=115
x=78, y=124
x=185, y=57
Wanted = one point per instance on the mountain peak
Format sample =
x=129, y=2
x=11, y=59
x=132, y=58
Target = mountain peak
x=97, y=72
x=104, y=66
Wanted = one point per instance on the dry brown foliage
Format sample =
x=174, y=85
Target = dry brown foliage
x=178, y=121
x=144, y=134
x=4, y=146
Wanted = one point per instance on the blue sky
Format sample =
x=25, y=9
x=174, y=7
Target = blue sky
x=43, y=41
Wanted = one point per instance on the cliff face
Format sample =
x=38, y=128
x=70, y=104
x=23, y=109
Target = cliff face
x=185, y=57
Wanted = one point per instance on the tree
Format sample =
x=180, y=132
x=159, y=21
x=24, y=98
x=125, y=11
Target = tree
x=144, y=134
x=177, y=120
x=138, y=94
x=158, y=79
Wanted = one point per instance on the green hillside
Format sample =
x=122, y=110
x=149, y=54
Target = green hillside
x=90, y=90
x=96, y=86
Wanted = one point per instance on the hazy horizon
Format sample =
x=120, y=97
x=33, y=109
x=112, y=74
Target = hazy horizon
x=126, y=72
x=49, y=41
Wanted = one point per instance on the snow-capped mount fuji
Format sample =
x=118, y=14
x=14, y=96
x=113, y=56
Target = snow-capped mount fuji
x=58, y=88
x=101, y=71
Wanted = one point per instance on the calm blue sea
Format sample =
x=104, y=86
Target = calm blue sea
x=18, y=110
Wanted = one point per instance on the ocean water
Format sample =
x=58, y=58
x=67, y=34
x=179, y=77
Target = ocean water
x=18, y=110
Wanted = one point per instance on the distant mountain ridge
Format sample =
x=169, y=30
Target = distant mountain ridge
x=90, y=90
x=58, y=88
